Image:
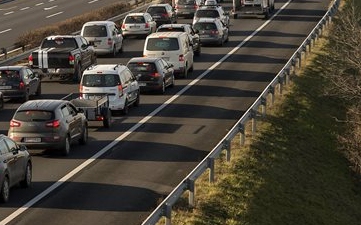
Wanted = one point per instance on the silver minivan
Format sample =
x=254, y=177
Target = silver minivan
x=105, y=36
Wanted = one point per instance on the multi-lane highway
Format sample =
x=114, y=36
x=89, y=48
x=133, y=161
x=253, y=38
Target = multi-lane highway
x=125, y=171
x=18, y=17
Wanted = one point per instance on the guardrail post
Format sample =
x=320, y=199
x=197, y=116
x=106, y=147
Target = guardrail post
x=264, y=106
x=191, y=189
x=253, y=119
x=242, y=136
x=5, y=52
x=271, y=90
x=227, y=147
x=168, y=214
x=280, y=82
x=211, y=169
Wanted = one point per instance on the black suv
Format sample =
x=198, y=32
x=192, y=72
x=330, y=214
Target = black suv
x=19, y=82
x=15, y=166
x=162, y=13
x=49, y=124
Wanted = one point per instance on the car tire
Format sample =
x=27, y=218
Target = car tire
x=66, y=146
x=5, y=190
x=185, y=73
x=26, y=96
x=198, y=51
x=84, y=136
x=107, y=115
x=137, y=101
x=38, y=91
x=77, y=73
x=125, y=110
x=162, y=89
x=26, y=182
x=1, y=103
x=173, y=81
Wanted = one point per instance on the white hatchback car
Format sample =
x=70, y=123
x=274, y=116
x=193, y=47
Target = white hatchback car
x=115, y=80
x=105, y=36
x=138, y=24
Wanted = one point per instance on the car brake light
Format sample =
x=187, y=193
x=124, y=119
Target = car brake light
x=214, y=32
x=155, y=75
x=146, y=25
x=21, y=85
x=120, y=89
x=181, y=58
x=123, y=26
x=71, y=59
x=53, y=124
x=31, y=60
x=14, y=123
x=110, y=42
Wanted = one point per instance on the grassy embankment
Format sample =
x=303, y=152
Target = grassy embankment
x=291, y=171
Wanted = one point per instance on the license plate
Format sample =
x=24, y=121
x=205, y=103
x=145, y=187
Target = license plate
x=5, y=87
x=32, y=140
x=142, y=84
x=134, y=26
x=204, y=36
x=51, y=70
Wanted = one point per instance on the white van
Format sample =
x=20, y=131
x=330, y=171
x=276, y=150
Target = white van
x=114, y=80
x=173, y=47
x=105, y=36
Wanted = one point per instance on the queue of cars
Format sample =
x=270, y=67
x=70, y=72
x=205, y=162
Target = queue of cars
x=168, y=52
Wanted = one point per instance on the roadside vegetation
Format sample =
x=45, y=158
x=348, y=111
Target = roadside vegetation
x=303, y=165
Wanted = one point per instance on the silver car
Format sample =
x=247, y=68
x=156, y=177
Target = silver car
x=211, y=31
x=138, y=24
x=15, y=166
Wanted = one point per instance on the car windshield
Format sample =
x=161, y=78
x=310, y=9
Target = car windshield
x=205, y=26
x=134, y=19
x=141, y=67
x=207, y=13
x=59, y=43
x=34, y=115
x=9, y=77
x=95, y=31
x=162, y=44
x=100, y=80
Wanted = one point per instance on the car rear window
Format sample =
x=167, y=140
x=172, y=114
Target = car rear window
x=141, y=67
x=134, y=19
x=34, y=115
x=8, y=77
x=205, y=26
x=186, y=2
x=95, y=31
x=207, y=13
x=171, y=29
x=59, y=43
x=156, y=10
x=100, y=80
x=162, y=44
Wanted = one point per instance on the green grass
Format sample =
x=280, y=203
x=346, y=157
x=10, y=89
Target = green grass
x=290, y=172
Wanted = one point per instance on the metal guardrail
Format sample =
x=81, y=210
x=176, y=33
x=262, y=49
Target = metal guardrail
x=164, y=209
x=141, y=5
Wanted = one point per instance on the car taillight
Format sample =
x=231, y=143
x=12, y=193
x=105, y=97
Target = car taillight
x=110, y=42
x=71, y=59
x=146, y=25
x=14, y=123
x=120, y=89
x=31, y=60
x=176, y=7
x=155, y=75
x=53, y=124
x=123, y=26
x=21, y=85
x=196, y=6
x=181, y=58
x=164, y=15
x=214, y=32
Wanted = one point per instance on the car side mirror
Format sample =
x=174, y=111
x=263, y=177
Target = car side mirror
x=22, y=148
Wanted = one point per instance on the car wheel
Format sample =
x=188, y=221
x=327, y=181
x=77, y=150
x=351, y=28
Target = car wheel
x=173, y=81
x=198, y=51
x=26, y=96
x=114, y=53
x=66, y=147
x=5, y=190
x=126, y=108
x=1, y=103
x=162, y=89
x=137, y=101
x=185, y=73
x=77, y=73
x=26, y=182
x=84, y=136
x=107, y=115
x=38, y=91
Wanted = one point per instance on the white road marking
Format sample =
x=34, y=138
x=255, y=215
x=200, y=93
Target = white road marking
x=72, y=173
x=41, y=3
x=52, y=7
x=25, y=8
x=55, y=14
x=92, y=1
x=8, y=13
x=4, y=31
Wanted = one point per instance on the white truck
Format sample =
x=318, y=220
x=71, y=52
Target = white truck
x=252, y=7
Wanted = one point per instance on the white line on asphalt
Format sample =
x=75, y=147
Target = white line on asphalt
x=3, y=31
x=135, y=127
x=55, y=14
x=92, y=1
x=25, y=8
x=52, y=7
x=41, y=3
x=8, y=13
